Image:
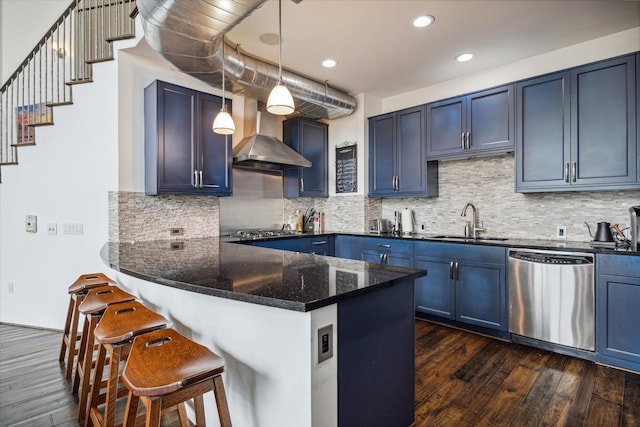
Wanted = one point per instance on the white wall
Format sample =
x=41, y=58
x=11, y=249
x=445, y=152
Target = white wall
x=24, y=22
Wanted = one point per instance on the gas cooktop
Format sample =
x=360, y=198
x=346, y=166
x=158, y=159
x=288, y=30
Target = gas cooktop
x=261, y=234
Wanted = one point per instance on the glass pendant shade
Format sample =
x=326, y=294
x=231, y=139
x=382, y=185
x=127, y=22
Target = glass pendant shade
x=280, y=101
x=223, y=123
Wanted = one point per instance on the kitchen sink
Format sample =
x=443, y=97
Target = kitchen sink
x=451, y=237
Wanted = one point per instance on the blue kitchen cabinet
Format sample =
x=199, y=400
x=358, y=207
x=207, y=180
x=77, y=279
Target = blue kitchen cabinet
x=617, y=313
x=348, y=247
x=398, y=164
x=477, y=124
x=576, y=130
x=466, y=283
x=309, y=138
x=387, y=251
x=182, y=154
x=318, y=245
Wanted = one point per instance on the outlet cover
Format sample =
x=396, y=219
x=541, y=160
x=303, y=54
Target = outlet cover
x=52, y=229
x=325, y=343
x=75, y=229
x=561, y=232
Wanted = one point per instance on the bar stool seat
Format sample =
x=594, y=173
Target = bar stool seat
x=93, y=305
x=165, y=369
x=77, y=291
x=119, y=324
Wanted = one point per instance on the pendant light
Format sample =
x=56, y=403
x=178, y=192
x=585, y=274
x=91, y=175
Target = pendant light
x=280, y=101
x=223, y=123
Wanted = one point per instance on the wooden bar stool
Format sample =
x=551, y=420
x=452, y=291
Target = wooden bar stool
x=165, y=369
x=77, y=291
x=93, y=305
x=119, y=324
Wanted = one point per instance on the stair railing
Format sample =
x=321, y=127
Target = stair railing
x=62, y=58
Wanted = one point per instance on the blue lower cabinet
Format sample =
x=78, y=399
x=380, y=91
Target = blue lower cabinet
x=348, y=247
x=387, y=251
x=465, y=283
x=318, y=245
x=618, y=311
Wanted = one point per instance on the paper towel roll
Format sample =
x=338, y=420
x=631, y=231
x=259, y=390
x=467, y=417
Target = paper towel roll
x=407, y=221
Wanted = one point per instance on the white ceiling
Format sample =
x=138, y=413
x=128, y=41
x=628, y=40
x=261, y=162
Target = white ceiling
x=380, y=53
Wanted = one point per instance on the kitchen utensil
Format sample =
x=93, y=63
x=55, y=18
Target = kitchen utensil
x=634, y=211
x=603, y=233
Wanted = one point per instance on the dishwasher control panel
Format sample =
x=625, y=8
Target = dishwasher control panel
x=546, y=258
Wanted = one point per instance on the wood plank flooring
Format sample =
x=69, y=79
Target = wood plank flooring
x=462, y=379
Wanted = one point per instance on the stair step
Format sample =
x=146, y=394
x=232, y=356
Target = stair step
x=23, y=144
x=34, y=125
x=96, y=60
x=120, y=37
x=8, y=163
x=79, y=81
x=57, y=104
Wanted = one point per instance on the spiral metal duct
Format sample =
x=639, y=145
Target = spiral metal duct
x=189, y=34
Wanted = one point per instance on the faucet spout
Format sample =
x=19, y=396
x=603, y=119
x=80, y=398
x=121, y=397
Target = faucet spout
x=474, y=222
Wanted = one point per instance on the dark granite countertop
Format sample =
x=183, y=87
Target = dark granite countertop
x=556, y=245
x=288, y=280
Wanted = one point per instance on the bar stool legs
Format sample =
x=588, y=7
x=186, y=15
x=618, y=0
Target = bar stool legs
x=77, y=292
x=166, y=369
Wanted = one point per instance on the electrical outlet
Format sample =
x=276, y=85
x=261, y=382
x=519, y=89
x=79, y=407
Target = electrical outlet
x=325, y=343
x=10, y=287
x=561, y=232
x=176, y=231
x=52, y=229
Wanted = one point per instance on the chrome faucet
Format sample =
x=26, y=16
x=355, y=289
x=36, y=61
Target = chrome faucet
x=474, y=224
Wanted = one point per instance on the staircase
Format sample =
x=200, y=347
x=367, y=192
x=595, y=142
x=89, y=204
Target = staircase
x=82, y=36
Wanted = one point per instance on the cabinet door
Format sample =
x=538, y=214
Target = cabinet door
x=435, y=293
x=372, y=256
x=411, y=151
x=348, y=247
x=170, y=156
x=382, y=155
x=481, y=294
x=214, y=150
x=322, y=245
x=603, y=123
x=309, y=138
x=617, y=314
x=446, y=122
x=543, y=133
x=490, y=121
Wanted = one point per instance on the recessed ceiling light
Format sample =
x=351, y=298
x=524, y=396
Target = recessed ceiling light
x=269, y=39
x=464, y=57
x=329, y=63
x=423, y=21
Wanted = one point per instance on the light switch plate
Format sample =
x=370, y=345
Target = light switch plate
x=325, y=343
x=561, y=232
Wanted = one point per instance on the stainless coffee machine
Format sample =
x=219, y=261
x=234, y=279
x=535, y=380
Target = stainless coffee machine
x=635, y=227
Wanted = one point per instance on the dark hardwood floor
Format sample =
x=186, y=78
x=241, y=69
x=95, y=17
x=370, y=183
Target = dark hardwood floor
x=462, y=379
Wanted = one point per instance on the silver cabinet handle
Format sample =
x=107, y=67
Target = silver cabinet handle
x=451, y=270
x=384, y=245
x=385, y=258
x=397, y=183
x=322, y=242
x=393, y=183
x=200, y=174
x=302, y=185
x=381, y=258
x=468, y=141
x=574, y=168
x=566, y=172
x=457, y=270
x=462, y=140
x=195, y=179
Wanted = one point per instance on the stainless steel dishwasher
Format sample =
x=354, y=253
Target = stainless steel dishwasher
x=551, y=300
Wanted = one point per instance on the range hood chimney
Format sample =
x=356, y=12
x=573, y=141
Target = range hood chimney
x=261, y=151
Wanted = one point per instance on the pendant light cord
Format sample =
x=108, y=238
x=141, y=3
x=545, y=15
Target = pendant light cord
x=279, y=41
x=224, y=101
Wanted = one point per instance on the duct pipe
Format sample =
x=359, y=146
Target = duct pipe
x=188, y=33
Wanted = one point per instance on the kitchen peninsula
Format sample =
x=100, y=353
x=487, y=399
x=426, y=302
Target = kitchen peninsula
x=308, y=340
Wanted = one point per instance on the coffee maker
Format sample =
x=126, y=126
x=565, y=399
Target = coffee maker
x=634, y=211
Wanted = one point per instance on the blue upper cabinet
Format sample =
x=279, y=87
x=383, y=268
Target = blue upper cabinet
x=182, y=154
x=478, y=124
x=398, y=164
x=309, y=138
x=577, y=129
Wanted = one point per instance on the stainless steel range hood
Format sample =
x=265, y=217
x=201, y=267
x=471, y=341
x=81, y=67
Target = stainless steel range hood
x=263, y=150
